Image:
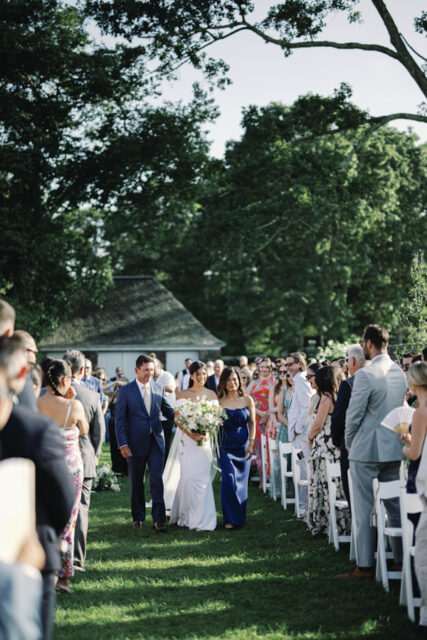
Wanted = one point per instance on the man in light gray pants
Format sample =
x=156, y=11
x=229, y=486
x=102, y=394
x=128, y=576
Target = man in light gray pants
x=374, y=452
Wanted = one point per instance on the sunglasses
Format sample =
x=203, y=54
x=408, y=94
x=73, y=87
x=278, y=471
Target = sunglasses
x=310, y=375
x=283, y=372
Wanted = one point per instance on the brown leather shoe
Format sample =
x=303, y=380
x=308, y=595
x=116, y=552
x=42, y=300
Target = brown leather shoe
x=137, y=524
x=159, y=527
x=357, y=572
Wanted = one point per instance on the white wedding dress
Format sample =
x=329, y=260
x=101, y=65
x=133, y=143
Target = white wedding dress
x=187, y=481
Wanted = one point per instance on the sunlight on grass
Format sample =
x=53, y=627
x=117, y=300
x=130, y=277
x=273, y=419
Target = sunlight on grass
x=268, y=580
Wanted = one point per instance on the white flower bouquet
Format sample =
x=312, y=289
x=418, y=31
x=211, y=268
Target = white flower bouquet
x=106, y=479
x=202, y=417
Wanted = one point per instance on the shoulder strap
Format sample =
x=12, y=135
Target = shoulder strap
x=67, y=415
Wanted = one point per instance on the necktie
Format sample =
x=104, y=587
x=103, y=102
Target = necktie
x=147, y=398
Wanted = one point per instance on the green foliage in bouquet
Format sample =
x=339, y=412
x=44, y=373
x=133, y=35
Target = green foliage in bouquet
x=106, y=479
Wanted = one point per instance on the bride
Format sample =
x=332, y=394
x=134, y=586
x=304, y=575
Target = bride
x=187, y=476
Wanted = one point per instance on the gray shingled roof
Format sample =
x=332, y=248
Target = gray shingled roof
x=137, y=311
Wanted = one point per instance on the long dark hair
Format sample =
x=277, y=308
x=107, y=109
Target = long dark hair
x=55, y=369
x=327, y=382
x=226, y=373
x=195, y=366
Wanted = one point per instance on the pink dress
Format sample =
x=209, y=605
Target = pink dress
x=259, y=393
x=271, y=430
x=74, y=462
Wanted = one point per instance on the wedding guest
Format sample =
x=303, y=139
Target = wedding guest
x=236, y=446
x=323, y=451
x=213, y=380
x=417, y=378
x=259, y=390
x=210, y=367
x=272, y=425
x=375, y=452
x=120, y=376
x=90, y=449
x=167, y=381
x=296, y=365
x=36, y=375
x=408, y=359
x=283, y=403
x=7, y=319
x=30, y=435
x=355, y=361
x=58, y=403
x=27, y=398
x=424, y=354
x=184, y=375
x=94, y=384
x=243, y=362
x=118, y=463
x=246, y=376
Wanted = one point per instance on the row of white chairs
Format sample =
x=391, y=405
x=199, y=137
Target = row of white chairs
x=409, y=504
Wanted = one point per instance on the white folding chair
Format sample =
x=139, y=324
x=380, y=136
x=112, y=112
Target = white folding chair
x=409, y=503
x=285, y=453
x=273, y=450
x=333, y=470
x=265, y=483
x=385, y=491
x=298, y=482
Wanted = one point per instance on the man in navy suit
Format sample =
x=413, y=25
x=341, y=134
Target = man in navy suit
x=141, y=441
x=213, y=381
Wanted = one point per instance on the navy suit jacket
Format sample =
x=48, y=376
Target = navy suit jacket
x=211, y=383
x=133, y=424
x=339, y=412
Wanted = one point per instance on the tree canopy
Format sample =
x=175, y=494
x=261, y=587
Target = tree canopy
x=179, y=31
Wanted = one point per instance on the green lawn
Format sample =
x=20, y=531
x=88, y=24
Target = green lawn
x=270, y=579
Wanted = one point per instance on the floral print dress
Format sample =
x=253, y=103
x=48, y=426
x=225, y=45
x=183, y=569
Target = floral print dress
x=74, y=463
x=318, y=500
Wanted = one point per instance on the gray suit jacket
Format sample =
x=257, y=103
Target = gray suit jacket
x=20, y=603
x=91, y=444
x=377, y=389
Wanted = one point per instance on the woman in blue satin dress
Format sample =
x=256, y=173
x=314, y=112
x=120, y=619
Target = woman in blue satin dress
x=236, y=442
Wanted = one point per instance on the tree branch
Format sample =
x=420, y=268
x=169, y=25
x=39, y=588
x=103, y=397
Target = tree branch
x=285, y=44
x=402, y=52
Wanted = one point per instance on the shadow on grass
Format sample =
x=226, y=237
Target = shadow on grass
x=270, y=579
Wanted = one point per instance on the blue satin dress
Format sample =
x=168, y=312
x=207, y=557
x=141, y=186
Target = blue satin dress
x=235, y=468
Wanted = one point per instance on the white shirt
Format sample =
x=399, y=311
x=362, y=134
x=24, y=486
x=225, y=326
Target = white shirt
x=300, y=402
x=183, y=380
x=166, y=379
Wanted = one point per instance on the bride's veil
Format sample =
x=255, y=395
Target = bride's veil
x=171, y=472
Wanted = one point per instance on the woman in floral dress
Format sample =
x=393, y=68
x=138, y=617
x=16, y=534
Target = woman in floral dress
x=59, y=403
x=260, y=390
x=323, y=450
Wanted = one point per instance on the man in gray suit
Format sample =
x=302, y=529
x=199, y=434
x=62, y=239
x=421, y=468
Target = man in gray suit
x=374, y=452
x=90, y=448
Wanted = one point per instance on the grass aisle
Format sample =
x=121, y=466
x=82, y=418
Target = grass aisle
x=270, y=579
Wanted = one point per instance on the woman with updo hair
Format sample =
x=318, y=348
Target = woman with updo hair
x=236, y=442
x=60, y=404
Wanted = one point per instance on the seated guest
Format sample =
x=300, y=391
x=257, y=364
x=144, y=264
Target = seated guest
x=322, y=451
x=58, y=403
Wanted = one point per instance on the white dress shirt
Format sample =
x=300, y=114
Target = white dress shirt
x=300, y=402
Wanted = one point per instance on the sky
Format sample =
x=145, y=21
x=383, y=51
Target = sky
x=261, y=74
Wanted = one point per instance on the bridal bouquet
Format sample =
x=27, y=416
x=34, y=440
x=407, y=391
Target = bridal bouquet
x=202, y=417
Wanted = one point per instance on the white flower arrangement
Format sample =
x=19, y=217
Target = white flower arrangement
x=106, y=479
x=202, y=417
